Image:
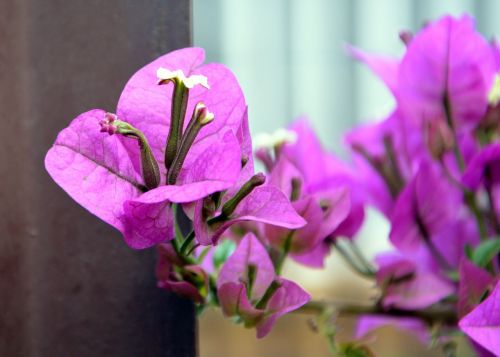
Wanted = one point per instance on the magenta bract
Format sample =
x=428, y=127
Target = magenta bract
x=244, y=281
x=102, y=172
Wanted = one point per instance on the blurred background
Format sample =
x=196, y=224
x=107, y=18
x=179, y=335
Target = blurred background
x=290, y=60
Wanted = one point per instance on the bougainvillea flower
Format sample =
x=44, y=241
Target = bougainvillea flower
x=410, y=281
x=448, y=67
x=368, y=323
x=103, y=173
x=322, y=172
x=416, y=217
x=248, y=288
x=483, y=323
x=324, y=211
x=474, y=283
x=262, y=203
x=384, y=155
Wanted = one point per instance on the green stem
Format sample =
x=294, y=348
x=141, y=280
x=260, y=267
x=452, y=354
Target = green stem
x=177, y=114
x=361, y=257
x=283, y=254
x=445, y=314
x=187, y=242
x=352, y=263
x=192, y=131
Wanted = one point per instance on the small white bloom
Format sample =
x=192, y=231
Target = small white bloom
x=164, y=74
x=494, y=94
x=270, y=141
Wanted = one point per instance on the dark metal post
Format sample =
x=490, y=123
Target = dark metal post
x=68, y=284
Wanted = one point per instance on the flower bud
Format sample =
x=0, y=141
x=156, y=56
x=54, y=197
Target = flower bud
x=201, y=117
x=150, y=170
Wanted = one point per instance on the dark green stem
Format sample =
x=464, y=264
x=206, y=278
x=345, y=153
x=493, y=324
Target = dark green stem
x=187, y=242
x=192, y=131
x=275, y=285
x=296, y=188
x=362, y=259
x=445, y=314
x=177, y=114
x=355, y=266
x=287, y=245
x=233, y=202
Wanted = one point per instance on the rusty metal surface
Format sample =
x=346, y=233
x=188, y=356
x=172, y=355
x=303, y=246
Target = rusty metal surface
x=68, y=284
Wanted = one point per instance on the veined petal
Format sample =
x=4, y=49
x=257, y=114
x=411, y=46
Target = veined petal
x=483, y=323
x=146, y=106
x=94, y=168
x=147, y=224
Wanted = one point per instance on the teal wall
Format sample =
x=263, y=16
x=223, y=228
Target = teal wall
x=289, y=57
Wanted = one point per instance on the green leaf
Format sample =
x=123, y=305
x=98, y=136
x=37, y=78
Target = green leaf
x=223, y=251
x=485, y=252
x=468, y=251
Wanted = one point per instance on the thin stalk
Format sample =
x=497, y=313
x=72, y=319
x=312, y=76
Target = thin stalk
x=430, y=315
x=355, y=266
x=361, y=257
x=283, y=254
x=187, y=242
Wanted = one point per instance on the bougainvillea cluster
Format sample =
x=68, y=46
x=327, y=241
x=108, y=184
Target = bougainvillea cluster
x=173, y=168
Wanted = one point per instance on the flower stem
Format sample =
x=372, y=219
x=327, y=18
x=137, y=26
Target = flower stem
x=187, y=242
x=361, y=257
x=444, y=313
x=286, y=249
x=352, y=263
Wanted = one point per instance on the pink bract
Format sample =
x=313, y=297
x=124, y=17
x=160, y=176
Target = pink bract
x=101, y=172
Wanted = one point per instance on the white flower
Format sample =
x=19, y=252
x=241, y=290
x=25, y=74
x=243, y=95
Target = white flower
x=272, y=140
x=164, y=74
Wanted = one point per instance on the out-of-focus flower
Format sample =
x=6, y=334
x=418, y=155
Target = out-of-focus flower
x=446, y=73
x=249, y=199
x=368, y=323
x=474, y=283
x=410, y=281
x=483, y=323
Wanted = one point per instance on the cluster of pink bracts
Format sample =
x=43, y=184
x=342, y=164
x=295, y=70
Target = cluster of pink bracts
x=173, y=168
